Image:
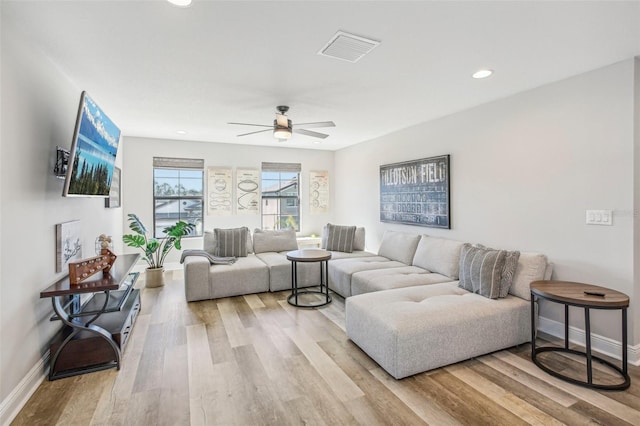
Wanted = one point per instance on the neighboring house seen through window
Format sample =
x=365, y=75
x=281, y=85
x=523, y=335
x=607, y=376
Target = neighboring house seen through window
x=177, y=193
x=281, y=196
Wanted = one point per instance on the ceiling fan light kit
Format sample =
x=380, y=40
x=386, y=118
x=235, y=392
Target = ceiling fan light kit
x=283, y=127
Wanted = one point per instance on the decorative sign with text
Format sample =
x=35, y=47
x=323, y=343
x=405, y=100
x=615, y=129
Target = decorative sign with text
x=219, y=186
x=416, y=192
x=318, y=192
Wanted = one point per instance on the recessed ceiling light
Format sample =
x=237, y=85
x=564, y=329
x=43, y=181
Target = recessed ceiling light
x=180, y=3
x=482, y=74
x=181, y=132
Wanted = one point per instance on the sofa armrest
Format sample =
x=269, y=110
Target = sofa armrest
x=196, y=277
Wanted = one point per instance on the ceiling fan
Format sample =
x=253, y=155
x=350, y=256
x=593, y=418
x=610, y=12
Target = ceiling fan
x=282, y=127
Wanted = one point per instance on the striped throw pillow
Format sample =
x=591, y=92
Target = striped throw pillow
x=340, y=238
x=231, y=242
x=481, y=270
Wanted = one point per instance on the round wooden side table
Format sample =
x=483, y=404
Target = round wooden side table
x=589, y=297
x=309, y=255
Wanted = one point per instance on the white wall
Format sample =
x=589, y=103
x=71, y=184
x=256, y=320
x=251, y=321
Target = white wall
x=137, y=179
x=523, y=171
x=39, y=106
x=636, y=204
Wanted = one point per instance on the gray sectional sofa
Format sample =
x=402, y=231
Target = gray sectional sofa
x=409, y=314
x=265, y=268
x=404, y=305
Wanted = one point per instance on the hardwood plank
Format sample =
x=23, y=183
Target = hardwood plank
x=505, y=399
x=174, y=403
x=542, y=401
x=232, y=324
x=111, y=408
x=594, y=398
x=428, y=411
x=377, y=399
x=529, y=381
x=257, y=360
x=338, y=381
x=330, y=408
x=201, y=373
x=463, y=403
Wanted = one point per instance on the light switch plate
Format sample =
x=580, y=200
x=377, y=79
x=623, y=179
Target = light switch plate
x=599, y=217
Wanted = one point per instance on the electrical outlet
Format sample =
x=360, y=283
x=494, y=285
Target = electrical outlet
x=599, y=217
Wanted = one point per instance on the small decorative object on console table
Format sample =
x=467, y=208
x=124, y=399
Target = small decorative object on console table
x=80, y=271
x=585, y=296
x=309, y=255
x=155, y=251
x=95, y=332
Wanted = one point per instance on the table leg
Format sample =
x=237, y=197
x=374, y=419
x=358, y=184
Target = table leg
x=295, y=279
x=326, y=278
x=587, y=325
x=566, y=326
x=624, y=341
x=533, y=327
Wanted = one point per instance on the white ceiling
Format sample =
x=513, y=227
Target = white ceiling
x=155, y=68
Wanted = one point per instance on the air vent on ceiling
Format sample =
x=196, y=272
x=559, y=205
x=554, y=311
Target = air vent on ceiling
x=348, y=47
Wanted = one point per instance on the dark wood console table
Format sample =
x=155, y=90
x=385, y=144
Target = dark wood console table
x=585, y=296
x=95, y=332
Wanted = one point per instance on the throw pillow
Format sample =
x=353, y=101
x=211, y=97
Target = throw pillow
x=274, y=241
x=481, y=270
x=231, y=242
x=509, y=271
x=340, y=238
x=211, y=247
x=358, y=240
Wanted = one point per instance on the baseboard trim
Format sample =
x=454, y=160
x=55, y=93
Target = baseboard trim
x=13, y=403
x=601, y=344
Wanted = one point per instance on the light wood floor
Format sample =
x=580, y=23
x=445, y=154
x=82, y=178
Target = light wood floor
x=256, y=360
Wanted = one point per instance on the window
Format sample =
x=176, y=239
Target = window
x=177, y=193
x=281, y=196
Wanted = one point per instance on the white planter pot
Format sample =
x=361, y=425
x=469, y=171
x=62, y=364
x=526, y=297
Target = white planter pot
x=154, y=277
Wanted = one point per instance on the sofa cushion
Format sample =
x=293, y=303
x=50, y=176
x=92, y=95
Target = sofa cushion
x=358, y=239
x=415, y=329
x=280, y=271
x=399, y=246
x=481, y=270
x=341, y=270
x=231, y=242
x=531, y=267
x=279, y=240
x=340, y=238
x=209, y=243
x=439, y=255
x=204, y=281
x=387, y=279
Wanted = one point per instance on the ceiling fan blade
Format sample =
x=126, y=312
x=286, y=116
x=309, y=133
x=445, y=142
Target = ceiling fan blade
x=317, y=124
x=259, y=131
x=310, y=133
x=249, y=124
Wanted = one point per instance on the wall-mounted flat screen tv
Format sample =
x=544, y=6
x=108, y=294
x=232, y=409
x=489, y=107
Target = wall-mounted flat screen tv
x=93, y=152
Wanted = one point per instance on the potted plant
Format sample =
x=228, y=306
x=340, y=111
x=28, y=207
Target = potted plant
x=155, y=250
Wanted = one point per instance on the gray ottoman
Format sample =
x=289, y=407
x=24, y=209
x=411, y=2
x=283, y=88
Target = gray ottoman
x=415, y=329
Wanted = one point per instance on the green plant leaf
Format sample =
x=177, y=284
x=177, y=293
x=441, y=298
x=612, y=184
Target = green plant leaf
x=133, y=240
x=136, y=225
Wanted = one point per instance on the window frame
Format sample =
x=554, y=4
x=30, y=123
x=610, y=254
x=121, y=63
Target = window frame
x=280, y=198
x=198, y=232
